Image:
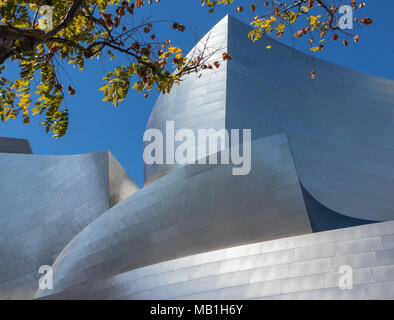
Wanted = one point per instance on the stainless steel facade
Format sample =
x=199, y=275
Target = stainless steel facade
x=191, y=210
x=45, y=201
x=340, y=125
x=321, y=160
x=301, y=267
x=198, y=103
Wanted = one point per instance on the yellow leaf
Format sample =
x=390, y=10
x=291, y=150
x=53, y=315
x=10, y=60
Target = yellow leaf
x=164, y=55
x=174, y=50
x=268, y=47
x=33, y=6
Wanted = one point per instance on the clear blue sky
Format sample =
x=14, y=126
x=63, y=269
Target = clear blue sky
x=95, y=125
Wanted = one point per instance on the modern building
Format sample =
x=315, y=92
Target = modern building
x=317, y=201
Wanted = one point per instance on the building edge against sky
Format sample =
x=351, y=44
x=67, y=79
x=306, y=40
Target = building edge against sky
x=319, y=162
x=340, y=125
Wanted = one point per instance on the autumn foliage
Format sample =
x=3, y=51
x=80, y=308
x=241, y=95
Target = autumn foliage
x=105, y=29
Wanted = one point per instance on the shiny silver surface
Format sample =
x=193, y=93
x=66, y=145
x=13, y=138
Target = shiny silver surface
x=198, y=103
x=193, y=209
x=340, y=125
x=121, y=185
x=44, y=202
x=199, y=232
x=301, y=267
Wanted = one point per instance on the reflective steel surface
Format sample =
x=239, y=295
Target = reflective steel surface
x=193, y=209
x=45, y=201
x=340, y=125
x=302, y=267
x=322, y=159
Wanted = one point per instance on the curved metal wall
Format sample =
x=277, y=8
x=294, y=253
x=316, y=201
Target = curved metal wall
x=302, y=267
x=44, y=202
x=163, y=241
x=323, y=219
x=197, y=103
x=121, y=185
x=340, y=125
x=193, y=209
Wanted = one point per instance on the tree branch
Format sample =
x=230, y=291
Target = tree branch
x=27, y=40
x=67, y=20
x=330, y=13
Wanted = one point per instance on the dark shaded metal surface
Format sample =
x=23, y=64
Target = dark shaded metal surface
x=12, y=145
